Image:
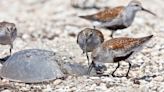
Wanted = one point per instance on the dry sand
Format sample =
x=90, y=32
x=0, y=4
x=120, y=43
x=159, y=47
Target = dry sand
x=54, y=24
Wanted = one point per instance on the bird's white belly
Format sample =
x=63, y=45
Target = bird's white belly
x=96, y=23
x=108, y=58
x=5, y=40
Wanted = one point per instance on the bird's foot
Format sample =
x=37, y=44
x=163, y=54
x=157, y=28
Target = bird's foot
x=120, y=76
x=104, y=75
x=2, y=60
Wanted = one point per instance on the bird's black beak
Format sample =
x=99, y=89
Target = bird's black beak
x=90, y=67
x=143, y=9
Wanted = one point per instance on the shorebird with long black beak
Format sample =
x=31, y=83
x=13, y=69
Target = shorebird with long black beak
x=89, y=39
x=120, y=17
x=116, y=50
x=8, y=33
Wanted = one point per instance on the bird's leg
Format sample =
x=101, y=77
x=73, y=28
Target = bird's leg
x=11, y=47
x=111, y=35
x=87, y=57
x=86, y=50
x=82, y=53
x=10, y=51
x=94, y=27
x=128, y=69
x=90, y=67
x=116, y=69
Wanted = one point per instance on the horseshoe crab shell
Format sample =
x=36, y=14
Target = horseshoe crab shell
x=31, y=66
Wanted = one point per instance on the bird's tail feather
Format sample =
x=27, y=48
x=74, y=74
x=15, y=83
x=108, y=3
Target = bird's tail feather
x=147, y=38
x=88, y=17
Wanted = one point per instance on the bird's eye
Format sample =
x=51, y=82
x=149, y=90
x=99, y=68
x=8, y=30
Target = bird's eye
x=15, y=29
x=94, y=57
x=8, y=29
x=90, y=35
x=136, y=5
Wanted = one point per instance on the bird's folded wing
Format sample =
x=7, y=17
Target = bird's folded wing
x=121, y=46
x=108, y=14
x=121, y=43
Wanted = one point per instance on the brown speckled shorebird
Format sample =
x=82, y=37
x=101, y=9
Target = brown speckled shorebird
x=89, y=39
x=116, y=18
x=8, y=33
x=116, y=50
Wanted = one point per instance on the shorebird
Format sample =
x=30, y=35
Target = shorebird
x=116, y=50
x=116, y=18
x=8, y=33
x=89, y=39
